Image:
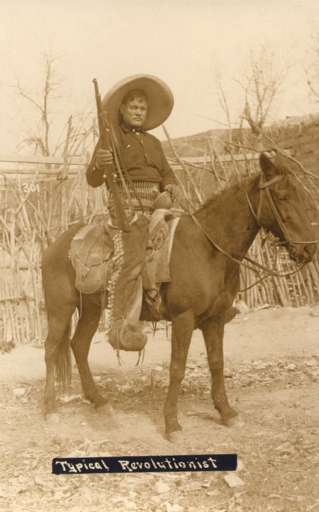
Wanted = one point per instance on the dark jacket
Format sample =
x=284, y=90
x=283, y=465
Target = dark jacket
x=141, y=156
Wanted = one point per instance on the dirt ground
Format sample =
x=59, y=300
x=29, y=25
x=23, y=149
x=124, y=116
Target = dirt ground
x=272, y=377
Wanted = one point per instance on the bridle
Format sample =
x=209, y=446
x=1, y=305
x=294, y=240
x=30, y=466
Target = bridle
x=264, y=187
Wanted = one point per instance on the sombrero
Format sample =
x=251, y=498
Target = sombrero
x=159, y=95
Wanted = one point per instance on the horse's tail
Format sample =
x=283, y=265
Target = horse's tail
x=63, y=362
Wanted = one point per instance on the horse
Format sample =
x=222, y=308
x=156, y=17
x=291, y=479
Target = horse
x=209, y=247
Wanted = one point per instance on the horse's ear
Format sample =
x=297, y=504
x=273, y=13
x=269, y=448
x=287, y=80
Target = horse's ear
x=267, y=166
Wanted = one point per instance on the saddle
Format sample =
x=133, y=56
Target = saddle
x=92, y=251
x=129, y=266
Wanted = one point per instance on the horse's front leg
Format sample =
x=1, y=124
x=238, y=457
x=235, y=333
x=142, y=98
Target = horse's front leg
x=213, y=331
x=182, y=329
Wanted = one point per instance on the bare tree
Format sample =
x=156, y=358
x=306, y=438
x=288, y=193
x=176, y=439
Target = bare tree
x=261, y=87
x=252, y=101
x=43, y=137
x=40, y=138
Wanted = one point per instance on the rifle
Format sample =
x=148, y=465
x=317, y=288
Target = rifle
x=107, y=139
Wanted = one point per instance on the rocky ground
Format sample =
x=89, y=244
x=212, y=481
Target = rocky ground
x=272, y=377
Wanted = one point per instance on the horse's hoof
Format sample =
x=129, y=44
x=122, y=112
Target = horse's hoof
x=99, y=401
x=171, y=428
x=48, y=408
x=173, y=437
x=234, y=422
x=229, y=417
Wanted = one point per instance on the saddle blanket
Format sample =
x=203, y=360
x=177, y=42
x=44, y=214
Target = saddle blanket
x=93, y=252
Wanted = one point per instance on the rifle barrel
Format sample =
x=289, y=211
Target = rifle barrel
x=108, y=143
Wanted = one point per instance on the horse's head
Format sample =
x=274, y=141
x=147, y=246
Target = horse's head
x=283, y=209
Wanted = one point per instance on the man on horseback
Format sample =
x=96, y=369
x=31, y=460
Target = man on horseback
x=144, y=182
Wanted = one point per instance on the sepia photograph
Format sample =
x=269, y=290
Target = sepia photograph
x=159, y=271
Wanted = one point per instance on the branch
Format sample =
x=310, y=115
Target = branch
x=29, y=98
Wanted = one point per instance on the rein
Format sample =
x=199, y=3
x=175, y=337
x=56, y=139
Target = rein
x=270, y=272
x=263, y=186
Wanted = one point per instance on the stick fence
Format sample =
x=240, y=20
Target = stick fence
x=40, y=198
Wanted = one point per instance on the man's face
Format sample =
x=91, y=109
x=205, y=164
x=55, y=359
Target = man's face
x=134, y=112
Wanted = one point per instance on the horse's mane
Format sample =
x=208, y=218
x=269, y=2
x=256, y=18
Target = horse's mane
x=221, y=197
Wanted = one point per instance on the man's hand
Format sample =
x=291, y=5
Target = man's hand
x=172, y=190
x=103, y=158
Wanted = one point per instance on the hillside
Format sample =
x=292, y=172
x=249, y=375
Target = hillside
x=299, y=135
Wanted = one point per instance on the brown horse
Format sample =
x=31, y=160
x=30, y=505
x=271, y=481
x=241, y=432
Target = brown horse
x=204, y=280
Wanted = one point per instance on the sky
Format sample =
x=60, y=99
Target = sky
x=181, y=41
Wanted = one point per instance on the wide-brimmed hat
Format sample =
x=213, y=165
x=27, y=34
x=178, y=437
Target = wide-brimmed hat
x=159, y=96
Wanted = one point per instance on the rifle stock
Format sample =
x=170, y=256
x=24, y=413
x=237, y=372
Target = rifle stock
x=108, y=142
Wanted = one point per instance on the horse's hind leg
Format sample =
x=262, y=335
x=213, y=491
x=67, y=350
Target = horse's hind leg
x=182, y=329
x=81, y=341
x=56, y=351
x=213, y=331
